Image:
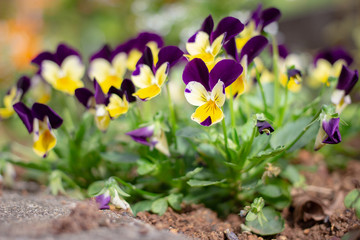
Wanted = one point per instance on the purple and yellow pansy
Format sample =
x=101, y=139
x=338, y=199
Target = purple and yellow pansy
x=41, y=120
x=13, y=96
x=207, y=90
x=63, y=69
x=341, y=96
x=150, y=76
x=207, y=43
x=107, y=106
x=328, y=63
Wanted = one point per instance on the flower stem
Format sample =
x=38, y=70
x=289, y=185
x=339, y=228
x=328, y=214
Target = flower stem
x=226, y=140
x=261, y=91
x=276, y=74
x=172, y=115
x=284, y=107
x=231, y=105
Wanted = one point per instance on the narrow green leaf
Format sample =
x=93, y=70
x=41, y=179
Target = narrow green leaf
x=116, y=157
x=203, y=183
x=191, y=133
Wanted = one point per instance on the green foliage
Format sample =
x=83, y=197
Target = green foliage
x=352, y=200
x=274, y=223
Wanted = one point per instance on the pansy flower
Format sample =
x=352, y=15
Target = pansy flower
x=207, y=43
x=41, y=120
x=107, y=106
x=346, y=83
x=152, y=137
x=264, y=127
x=207, y=90
x=63, y=69
x=247, y=54
x=150, y=76
x=328, y=63
x=292, y=80
x=135, y=47
x=259, y=19
x=40, y=90
x=328, y=133
x=13, y=96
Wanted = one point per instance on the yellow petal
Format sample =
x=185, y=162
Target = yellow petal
x=6, y=113
x=102, y=118
x=196, y=94
x=320, y=74
x=155, y=51
x=148, y=93
x=117, y=106
x=73, y=68
x=133, y=58
x=217, y=44
x=237, y=87
x=44, y=143
x=145, y=78
x=119, y=64
x=67, y=85
x=209, y=112
x=161, y=74
x=218, y=94
x=200, y=45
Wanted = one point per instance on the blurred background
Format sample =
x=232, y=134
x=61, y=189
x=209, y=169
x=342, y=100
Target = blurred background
x=28, y=27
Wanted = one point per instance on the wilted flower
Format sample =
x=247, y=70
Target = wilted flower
x=112, y=193
x=328, y=63
x=63, y=69
x=346, y=83
x=107, y=106
x=151, y=136
x=40, y=119
x=328, y=133
x=206, y=43
x=13, y=96
x=103, y=201
x=207, y=90
x=149, y=75
x=264, y=127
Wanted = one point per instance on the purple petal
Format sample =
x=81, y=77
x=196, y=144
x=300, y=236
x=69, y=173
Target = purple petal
x=227, y=71
x=269, y=15
x=207, y=122
x=170, y=54
x=103, y=201
x=142, y=135
x=334, y=54
x=24, y=84
x=192, y=38
x=229, y=25
x=128, y=88
x=230, y=48
x=25, y=115
x=83, y=95
x=282, y=50
x=100, y=97
x=125, y=47
x=40, y=110
x=63, y=51
x=332, y=130
x=293, y=72
x=42, y=57
x=253, y=48
x=145, y=37
x=255, y=15
x=197, y=71
x=104, y=52
x=347, y=79
x=146, y=58
x=264, y=127
x=208, y=25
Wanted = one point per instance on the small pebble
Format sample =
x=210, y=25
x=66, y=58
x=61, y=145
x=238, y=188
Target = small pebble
x=306, y=231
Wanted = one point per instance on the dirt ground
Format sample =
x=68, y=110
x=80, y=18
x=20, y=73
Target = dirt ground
x=317, y=212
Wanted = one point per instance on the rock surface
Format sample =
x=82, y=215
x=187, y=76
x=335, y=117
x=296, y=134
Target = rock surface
x=41, y=216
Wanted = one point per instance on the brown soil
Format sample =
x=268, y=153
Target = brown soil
x=317, y=211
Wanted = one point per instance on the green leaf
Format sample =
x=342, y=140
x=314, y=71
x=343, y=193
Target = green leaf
x=95, y=188
x=42, y=166
x=246, y=130
x=175, y=201
x=288, y=133
x=159, y=206
x=192, y=133
x=141, y=206
x=145, y=166
x=357, y=208
x=251, y=216
x=259, y=143
x=116, y=157
x=271, y=190
x=274, y=224
x=255, y=160
x=352, y=198
x=203, y=183
x=293, y=175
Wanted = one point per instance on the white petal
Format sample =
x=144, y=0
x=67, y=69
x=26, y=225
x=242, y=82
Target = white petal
x=99, y=69
x=218, y=94
x=73, y=68
x=50, y=71
x=196, y=94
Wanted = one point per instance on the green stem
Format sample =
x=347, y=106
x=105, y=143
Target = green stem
x=172, y=116
x=247, y=149
x=284, y=107
x=226, y=140
x=231, y=105
x=276, y=74
x=261, y=91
